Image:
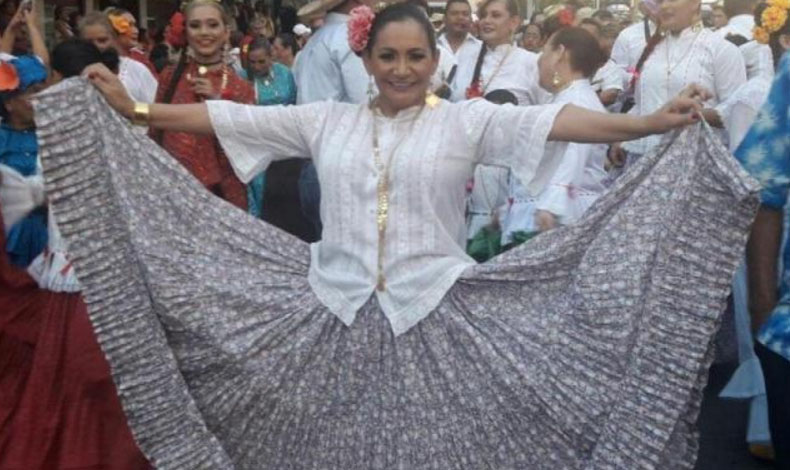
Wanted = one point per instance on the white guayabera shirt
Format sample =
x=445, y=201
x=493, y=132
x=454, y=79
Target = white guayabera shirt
x=328, y=69
x=434, y=152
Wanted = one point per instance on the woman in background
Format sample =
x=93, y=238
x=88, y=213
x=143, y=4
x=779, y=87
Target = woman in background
x=203, y=74
x=567, y=64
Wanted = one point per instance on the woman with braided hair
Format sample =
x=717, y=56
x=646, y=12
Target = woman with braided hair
x=202, y=74
x=681, y=52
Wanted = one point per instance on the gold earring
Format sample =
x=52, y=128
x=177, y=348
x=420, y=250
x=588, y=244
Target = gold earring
x=431, y=99
x=556, y=80
x=371, y=93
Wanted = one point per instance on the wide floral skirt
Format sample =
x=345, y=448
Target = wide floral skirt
x=586, y=348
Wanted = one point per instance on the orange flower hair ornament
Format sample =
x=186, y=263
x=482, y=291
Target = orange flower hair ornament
x=120, y=24
x=9, y=78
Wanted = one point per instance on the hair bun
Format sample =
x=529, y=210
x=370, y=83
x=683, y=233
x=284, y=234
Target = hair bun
x=109, y=57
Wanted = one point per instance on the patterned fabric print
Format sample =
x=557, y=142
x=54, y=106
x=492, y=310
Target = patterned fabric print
x=765, y=153
x=586, y=348
x=202, y=155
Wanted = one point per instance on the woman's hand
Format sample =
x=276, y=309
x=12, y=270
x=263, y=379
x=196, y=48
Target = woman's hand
x=111, y=88
x=695, y=92
x=18, y=20
x=203, y=87
x=545, y=220
x=679, y=112
x=29, y=17
x=615, y=156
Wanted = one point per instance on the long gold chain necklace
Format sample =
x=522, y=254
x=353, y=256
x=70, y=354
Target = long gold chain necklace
x=382, y=190
x=671, y=67
x=496, y=70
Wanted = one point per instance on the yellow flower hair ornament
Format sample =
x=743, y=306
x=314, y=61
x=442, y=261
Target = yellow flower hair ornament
x=772, y=19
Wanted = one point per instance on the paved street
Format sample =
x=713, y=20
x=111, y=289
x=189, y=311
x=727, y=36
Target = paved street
x=723, y=428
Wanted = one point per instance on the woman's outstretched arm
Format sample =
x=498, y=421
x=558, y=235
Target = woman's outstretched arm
x=192, y=118
x=576, y=124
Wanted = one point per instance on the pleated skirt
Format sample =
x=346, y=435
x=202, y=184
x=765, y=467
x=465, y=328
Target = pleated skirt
x=586, y=348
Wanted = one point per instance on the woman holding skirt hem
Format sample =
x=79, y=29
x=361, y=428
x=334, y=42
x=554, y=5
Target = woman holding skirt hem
x=233, y=345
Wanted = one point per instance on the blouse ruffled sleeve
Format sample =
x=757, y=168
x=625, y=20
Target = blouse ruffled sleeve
x=515, y=137
x=254, y=136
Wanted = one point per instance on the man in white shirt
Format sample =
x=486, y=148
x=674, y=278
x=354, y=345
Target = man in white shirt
x=758, y=57
x=457, y=23
x=327, y=69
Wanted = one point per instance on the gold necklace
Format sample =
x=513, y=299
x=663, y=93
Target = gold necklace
x=382, y=190
x=496, y=70
x=672, y=67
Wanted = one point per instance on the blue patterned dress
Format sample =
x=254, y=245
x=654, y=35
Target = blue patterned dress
x=278, y=88
x=27, y=238
x=765, y=153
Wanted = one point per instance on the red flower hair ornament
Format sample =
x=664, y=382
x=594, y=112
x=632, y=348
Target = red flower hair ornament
x=565, y=16
x=176, y=30
x=359, y=26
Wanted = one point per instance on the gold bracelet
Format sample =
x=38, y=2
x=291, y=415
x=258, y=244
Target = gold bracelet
x=141, y=114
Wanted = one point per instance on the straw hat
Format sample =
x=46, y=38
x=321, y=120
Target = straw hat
x=317, y=8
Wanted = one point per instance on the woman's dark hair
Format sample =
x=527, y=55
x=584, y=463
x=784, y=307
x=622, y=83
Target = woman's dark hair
x=552, y=24
x=259, y=43
x=648, y=50
x=603, y=15
x=288, y=40
x=74, y=18
x=592, y=22
x=511, y=5
x=776, y=48
x=586, y=55
x=58, y=11
x=539, y=28
x=450, y=2
x=71, y=56
x=397, y=13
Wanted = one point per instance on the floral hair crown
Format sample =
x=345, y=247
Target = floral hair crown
x=772, y=19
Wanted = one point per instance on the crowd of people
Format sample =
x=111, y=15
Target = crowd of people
x=514, y=128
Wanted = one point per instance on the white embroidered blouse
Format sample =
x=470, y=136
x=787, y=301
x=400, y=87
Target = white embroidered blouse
x=139, y=82
x=506, y=67
x=693, y=56
x=434, y=152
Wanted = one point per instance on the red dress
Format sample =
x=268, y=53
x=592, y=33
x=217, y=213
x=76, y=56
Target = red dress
x=58, y=405
x=202, y=155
